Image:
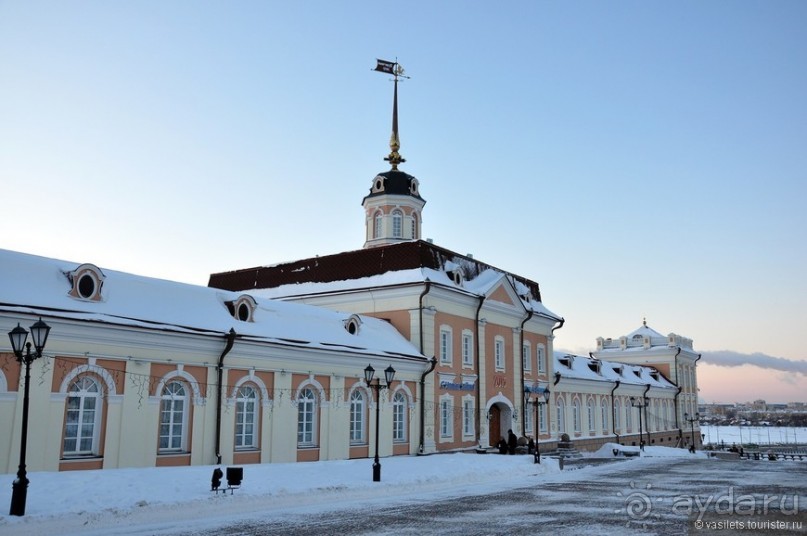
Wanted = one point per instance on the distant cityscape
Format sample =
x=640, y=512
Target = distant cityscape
x=756, y=413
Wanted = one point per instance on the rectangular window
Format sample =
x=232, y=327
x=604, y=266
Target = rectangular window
x=531, y=415
x=542, y=418
x=446, y=421
x=468, y=418
x=467, y=349
x=445, y=346
x=356, y=418
x=590, y=409
x=540, y=355
x=526, y=357
x=499, y=353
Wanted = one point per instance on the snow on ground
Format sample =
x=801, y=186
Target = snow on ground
x=607, y=451
x=105, y=500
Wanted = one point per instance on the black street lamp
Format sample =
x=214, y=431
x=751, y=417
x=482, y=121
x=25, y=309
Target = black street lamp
x=641, y=405
x=692, y=422
x=18, y=336
x=389, y=375
x=538, y=402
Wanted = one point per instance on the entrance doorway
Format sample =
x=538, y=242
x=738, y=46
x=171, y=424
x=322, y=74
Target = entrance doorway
x=495, y=425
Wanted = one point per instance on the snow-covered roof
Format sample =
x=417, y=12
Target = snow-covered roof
x=40, y=285
x=479, y=286
x=642, y=339
x=587, y=368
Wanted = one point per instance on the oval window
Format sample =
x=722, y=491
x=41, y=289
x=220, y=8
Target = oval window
x=86, y=286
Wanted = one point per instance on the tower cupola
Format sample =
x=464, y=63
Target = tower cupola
x=392, y=209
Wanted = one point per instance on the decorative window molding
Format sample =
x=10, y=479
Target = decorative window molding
x=352, y=324
x=243, y=309
x=86, y=282
x=378, y=224
x=446, y=345
x=446, y=418
x=540, y=355
x=378, y=184
x=499, y=353
x=526, y=356
x=468, y=417
x=397, y=223
x=467, y=348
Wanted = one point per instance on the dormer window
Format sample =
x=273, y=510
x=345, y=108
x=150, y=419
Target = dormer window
x=378, y=184
x=638, y=373
x=86, y=282
x=352, y=324
x=566, y=361
x=594, y=366
x=243, y=308
x=413, y=187
x=618, y=370
x=654, y=375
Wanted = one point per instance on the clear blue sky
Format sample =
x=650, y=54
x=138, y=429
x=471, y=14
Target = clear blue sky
x=635, y=158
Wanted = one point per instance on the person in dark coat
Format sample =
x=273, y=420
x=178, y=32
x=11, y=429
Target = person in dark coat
x=512, y=441
x=502, y=444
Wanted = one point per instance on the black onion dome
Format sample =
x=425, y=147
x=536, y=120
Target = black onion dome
x=394, y=182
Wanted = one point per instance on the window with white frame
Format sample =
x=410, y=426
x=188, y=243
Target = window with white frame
x=542, y=424
x=531, y=410
x=174, y=417
x=540, y=353
x=468, y=424
x=498, y=352
x=445, y=345
x=576, y=414
x=83, y=418
x=399, y=417
x=630, y=424
x=467, y=348
x=561, y=411
x=592, y=426
x=397, y=224
x=617, y=418
x=604, y=416
x=414, y=222
x=306, y=418
x=446, y=418
x=358, y=412
x=526, y=356
x=246, y=421
x=378, y=224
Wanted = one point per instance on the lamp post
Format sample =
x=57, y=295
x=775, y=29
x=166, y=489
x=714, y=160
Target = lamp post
x=641, y=405
x=538, y=402
x=389, y=375
x=691, y=422
x=18, y=336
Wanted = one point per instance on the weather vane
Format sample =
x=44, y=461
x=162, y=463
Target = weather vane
x=394, y=68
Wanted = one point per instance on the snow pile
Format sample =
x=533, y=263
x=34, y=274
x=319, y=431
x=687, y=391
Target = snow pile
x=607, y=451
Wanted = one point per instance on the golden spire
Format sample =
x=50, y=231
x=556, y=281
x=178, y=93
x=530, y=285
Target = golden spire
x=395, y=69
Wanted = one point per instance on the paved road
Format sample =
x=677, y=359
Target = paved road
x=624, y=497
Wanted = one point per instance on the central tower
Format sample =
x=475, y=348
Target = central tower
x=392, y=209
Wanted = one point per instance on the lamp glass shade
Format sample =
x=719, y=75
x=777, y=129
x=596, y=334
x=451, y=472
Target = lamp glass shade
x=39, y=334
x=369, y=372
x=546, y=395
x=389, y=374
x=18, y=337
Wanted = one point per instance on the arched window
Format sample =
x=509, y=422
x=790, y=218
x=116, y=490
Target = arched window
x=358, y=412
x=377, y=224
x=83, y=418
x=629, y=419
x=173, y=417
x=617, y=416
x=306, y=418
x=397, y=224
x=561, y=416
x=246, y=422
x=414, y=226
x=576, y=415
x=399, y=417
x=604, y=416
x=592, y=425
